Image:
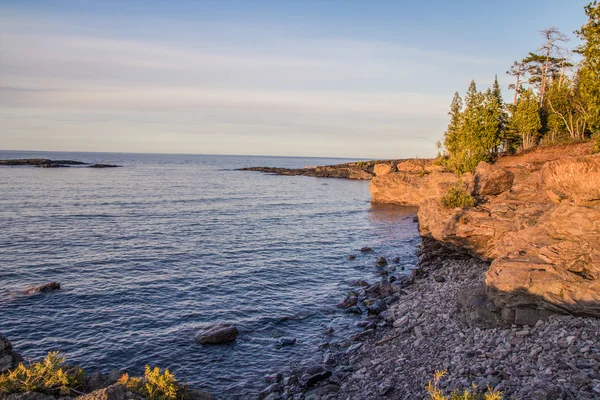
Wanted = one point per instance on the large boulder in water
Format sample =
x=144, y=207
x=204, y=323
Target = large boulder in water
x=48, y=287
x=218, y=334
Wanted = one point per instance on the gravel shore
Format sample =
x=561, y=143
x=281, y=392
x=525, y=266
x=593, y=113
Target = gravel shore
x=428, y=326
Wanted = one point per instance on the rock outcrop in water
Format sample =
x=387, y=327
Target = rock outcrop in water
x=537, y=218
x=46, y=163
x=219, y=334
x=48, y=287
x=361, y=170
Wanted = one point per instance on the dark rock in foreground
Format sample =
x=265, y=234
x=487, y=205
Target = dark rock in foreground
x=8, y=358
x=48, y=287
x=218, y=334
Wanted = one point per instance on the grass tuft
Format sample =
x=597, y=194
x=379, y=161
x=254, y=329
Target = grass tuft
x=457, y=196
x=435, y=393
x=50, y=376
x=154, y=385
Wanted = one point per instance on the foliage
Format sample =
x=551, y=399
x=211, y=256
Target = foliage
x=525, y=120
x=566, y=111
x=589, y=73
x=435, y=393
x=49, y=376
x=457, y=196
x=154, y=385
x=475, y=129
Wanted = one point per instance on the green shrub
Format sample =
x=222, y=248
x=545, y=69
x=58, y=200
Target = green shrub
x=435, y=393
x=49, y=376
x=596, y=143
x=155, y=385
x=457, y=196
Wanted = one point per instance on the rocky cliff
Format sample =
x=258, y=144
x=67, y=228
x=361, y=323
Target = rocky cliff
x=536, y=219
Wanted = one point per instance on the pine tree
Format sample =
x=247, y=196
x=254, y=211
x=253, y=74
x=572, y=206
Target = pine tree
x=473, y=134
x=502, y=114
x=451, y=137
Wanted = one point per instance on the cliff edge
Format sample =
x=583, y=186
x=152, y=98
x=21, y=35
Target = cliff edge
x=536, y=219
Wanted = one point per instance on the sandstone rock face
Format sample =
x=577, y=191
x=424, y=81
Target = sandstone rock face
x=418, y=166
x=491, y=180
x=8, y=358
x=218, y=334
x=382, y=169
x=545, y=248
x=576, y=179
x=410, y=189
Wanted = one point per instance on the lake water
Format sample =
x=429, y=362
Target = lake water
x=151, y=253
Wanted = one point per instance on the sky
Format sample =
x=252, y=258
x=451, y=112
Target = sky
x=347, y=78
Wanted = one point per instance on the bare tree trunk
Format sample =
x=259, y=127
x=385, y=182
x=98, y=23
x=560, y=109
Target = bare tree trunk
x=516, y=90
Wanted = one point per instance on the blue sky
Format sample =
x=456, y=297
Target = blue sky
x=310, y=78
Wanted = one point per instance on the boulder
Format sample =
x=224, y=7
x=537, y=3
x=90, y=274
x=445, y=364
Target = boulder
x=382, y=169
x=114, y=392
x=491, y=180
x=223, y=333
x=350, y=300
x=195, y=394
x=47, y=287
x=8, y=358
x=381, y=262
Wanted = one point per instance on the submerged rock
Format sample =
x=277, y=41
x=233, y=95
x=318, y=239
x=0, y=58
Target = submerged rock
x=366, y=249
x=349, y=301
x=382, y=262
x=48, y=287
x=286, y=341
x=224, y=333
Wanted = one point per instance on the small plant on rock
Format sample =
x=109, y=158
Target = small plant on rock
x=154, y=385
x=435, y=393
x=50, y=376
x=457, y=196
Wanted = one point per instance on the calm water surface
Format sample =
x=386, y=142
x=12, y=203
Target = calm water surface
x=151, y=253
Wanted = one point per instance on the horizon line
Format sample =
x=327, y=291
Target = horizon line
x=202, y=154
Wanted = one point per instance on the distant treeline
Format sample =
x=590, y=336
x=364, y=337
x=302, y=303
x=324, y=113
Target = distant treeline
x=556, y=101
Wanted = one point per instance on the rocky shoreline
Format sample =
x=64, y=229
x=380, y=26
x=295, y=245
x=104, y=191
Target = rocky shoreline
x=435, y=321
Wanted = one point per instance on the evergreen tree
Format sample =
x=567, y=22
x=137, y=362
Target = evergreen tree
x=589, y=74
x=451, y=137
x=502, y=114
x=525, y=120
x=472, y=134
